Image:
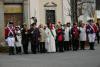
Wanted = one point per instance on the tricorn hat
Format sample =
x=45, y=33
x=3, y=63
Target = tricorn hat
x=10, y=22
x=91, y=20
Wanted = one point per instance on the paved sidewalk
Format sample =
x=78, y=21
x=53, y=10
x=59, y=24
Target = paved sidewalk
x=86, y=58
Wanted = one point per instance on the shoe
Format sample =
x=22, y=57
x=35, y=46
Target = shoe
x=92, y=49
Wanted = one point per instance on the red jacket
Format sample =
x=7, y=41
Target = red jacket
x=60, y=35
x=95, y=28
x=7, y=31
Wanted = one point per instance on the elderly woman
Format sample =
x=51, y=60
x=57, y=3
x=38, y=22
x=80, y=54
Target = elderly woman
x=42, y=39
x=67, y=37
x=60, y=38
x=82, y=36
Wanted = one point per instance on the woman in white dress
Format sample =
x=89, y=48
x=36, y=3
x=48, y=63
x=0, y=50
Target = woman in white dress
x=50, y=40
x=18, y=41
x=82, y=36
x=67, y=37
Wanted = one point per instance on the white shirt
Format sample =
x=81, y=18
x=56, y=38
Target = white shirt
x=82, y=34
x=66, y=34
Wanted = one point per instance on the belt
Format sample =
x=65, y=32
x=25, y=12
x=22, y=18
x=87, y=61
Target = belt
x=11, y=36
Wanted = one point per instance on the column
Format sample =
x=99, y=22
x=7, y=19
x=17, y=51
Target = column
x=1, y=23
x=26, y=12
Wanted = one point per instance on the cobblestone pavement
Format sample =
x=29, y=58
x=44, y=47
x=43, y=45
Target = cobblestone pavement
x=86, y=58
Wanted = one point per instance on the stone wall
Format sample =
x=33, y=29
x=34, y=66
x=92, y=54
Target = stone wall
x=37, y=9
x=1, y=23
x=58, y=9
x=26, y=12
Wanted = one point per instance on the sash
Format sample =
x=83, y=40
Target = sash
x=52, y=33
x=92, y=28
x=10, y=31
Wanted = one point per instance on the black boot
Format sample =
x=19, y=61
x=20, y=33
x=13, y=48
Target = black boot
x=16, y=50
x=20, y=50
x=12, y=51
x=92, y=46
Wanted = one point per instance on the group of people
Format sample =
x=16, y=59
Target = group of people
x=51, y=38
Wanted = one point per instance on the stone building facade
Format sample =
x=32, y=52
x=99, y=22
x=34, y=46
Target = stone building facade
x=21, y=11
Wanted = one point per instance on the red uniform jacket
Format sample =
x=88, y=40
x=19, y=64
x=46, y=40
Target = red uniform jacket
x=95, y=28
x=8, y=32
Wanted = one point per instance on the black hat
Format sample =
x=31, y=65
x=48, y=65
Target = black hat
x=75, y=23
x=90, y=20
x=68, y=23
x=33, y=24
x=10, y=22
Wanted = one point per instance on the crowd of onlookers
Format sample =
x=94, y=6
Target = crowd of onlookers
x=51, y=38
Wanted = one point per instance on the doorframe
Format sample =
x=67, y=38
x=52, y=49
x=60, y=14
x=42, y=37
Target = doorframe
x=50, y=6
x=46, y=16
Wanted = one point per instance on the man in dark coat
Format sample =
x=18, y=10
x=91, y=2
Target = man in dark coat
x=34, y=38
x=25, y=38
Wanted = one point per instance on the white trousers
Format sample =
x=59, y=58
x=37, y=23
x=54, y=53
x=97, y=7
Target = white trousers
x=91, y=37
x=11, y=41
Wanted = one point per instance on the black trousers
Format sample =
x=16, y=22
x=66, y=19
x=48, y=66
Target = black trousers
x=25, y=47
x=91, y=45
x=67, y=45
x=61, y=48
x=42, y=47
x=11, y=51
x=98, y=37
x=18, y=50
x=82, y=45
x=57, y=45
x=75, y=44
x=35, y=47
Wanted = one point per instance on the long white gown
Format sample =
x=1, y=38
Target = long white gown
x=82, y=34
x=66, y=34
x=18, y=43
x=50, y=41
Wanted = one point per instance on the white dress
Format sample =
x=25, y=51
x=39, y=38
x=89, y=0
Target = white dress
x=50, y=41
x=82, y=34
x=66, y=34
x=18, y=43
